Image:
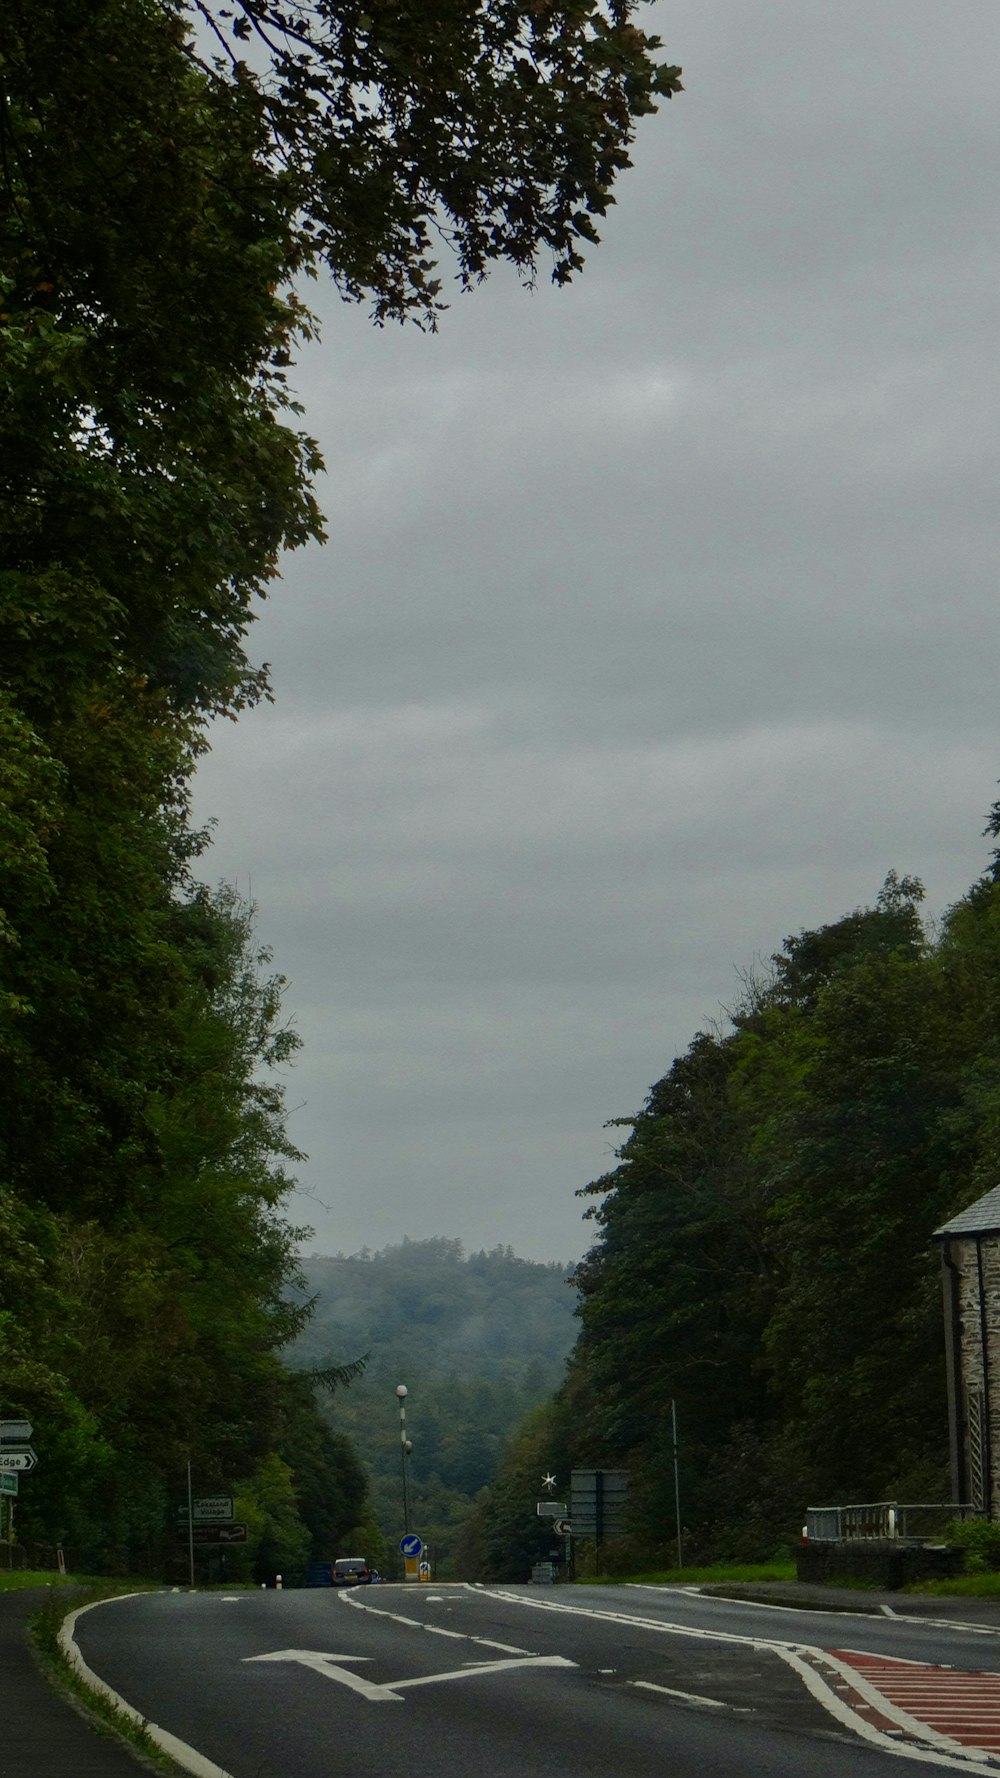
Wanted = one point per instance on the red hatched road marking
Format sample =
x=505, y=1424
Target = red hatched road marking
x=965, y=1707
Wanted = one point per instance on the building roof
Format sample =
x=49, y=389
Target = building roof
x=981, y=1218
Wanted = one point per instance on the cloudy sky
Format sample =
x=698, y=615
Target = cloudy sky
x=658, y=620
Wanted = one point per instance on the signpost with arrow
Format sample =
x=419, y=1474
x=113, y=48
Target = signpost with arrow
x=16, y=1458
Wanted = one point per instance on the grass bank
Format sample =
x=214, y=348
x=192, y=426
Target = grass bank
x=678, y=1577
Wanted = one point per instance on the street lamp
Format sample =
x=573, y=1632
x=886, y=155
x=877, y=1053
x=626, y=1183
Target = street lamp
x=406, y=1447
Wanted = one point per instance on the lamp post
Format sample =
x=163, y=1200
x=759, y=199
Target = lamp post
x=406, y=1447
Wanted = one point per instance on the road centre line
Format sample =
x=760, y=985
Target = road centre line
x=505, y=1648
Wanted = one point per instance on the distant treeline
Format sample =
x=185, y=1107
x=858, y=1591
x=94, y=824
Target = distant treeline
x=763, y=1252
x=478, y=1340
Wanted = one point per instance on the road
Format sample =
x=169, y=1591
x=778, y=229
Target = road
x=527, y=1682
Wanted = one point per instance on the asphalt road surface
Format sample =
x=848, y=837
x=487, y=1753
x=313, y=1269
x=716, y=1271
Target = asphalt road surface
x=534, y=1682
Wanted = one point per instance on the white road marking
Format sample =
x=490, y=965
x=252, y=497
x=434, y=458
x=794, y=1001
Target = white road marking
x=506, y=1648
x=390, y=1691
x=646, y=1685
x=329, y=1666
x=188, y=1758
x=791, y=1653
x=473, y=1670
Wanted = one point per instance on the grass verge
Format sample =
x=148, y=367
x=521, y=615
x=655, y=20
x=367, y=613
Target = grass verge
x=963, y=1586
x=106, y=1717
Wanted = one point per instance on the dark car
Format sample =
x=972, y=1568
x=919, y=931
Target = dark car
x=351, y=1571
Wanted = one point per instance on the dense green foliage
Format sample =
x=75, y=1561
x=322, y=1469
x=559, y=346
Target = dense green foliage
x=477, y=1340
x=764, y=1255
x=162, y=188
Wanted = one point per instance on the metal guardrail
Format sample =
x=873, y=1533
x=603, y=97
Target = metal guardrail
x=885, y=1521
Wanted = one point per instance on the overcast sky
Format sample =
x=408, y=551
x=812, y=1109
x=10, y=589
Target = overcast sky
x=658, y=621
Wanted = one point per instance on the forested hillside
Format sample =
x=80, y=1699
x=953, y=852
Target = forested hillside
x=161, y=194
x=477, y=1340
x=763, y=1250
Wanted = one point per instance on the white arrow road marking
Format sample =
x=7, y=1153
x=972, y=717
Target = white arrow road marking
x=322, y=1663
x=471, y=1669
x=380, y=1694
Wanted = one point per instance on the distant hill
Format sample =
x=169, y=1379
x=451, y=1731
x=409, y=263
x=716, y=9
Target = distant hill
x=478, y=1340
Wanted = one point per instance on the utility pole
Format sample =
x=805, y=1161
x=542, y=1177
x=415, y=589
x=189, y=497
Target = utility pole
x=406, y=1447
x=677, y=1487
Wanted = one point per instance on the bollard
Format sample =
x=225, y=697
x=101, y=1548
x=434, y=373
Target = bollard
x=277, y=1582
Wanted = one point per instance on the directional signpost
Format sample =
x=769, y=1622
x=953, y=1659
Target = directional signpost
x=214, y=1509
x=24, y=1460
x=16, y=1458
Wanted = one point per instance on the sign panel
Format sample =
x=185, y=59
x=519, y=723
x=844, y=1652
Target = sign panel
x=563, y=1527
x=8, y=1483
x=598, y=1499
x=215, y=1534
x=411, y=1545
x=15, y=1432
x=213, y=1509
x=25, y=1460
x=550, y=1509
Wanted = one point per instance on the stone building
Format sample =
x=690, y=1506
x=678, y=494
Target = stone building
x=970, y=1272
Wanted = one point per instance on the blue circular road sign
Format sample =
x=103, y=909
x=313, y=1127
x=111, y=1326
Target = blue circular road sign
x=410, y=1545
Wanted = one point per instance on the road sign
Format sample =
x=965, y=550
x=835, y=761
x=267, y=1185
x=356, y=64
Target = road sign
x=15, y=1432
x=411, y=1545
x=214, y=1509
x=551, y=1509
x=598, y=1499
x=212, y=1533
x=24, y=1460
x=563, y=1527
x=8, y=1483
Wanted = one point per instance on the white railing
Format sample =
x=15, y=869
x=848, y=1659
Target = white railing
x=885, y=1521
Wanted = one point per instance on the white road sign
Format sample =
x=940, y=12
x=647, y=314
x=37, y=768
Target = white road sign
x=15, y=1432
x=12, y=1461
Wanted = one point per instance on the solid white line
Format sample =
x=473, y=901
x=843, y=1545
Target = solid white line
x=435, y=1630
x=187, y=1757
x=792, y=1654
x=646, y=1685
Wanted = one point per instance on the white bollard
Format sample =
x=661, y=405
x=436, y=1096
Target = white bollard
x=277, y=1582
